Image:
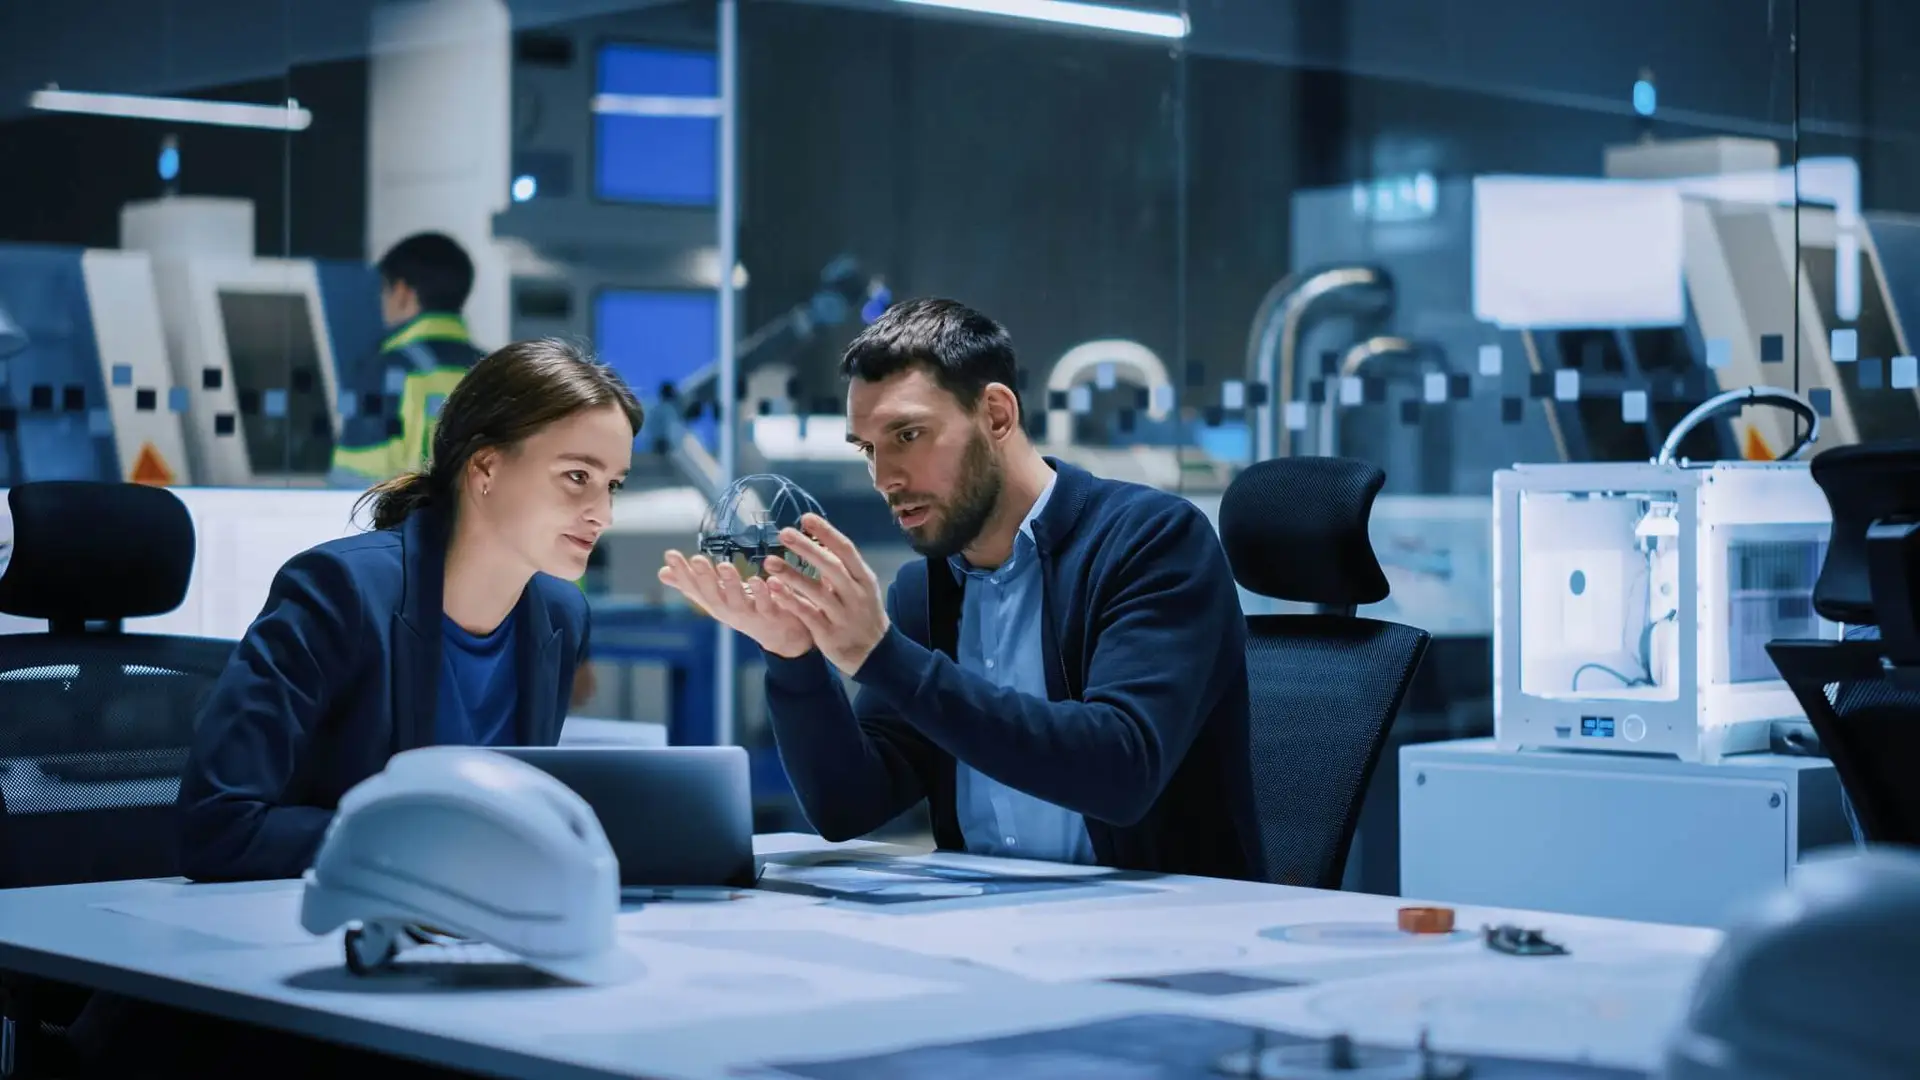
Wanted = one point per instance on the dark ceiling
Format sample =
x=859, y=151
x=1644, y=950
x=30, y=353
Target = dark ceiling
x=1723, y=64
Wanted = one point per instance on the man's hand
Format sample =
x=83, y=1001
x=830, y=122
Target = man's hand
x=844, y=610
x=742, y=605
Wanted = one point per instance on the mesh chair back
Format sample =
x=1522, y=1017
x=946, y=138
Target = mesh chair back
x=1868, y=720
x=94, y=730
x=1325, y=690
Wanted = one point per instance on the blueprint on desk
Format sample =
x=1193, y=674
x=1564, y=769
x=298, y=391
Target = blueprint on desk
x=1153, y=1046
x=955, y=883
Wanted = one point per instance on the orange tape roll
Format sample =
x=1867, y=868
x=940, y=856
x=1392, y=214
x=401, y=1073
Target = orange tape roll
x=1426, y=920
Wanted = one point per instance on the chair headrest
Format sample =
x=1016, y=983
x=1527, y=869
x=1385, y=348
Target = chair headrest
x=85, y=551
x=1863, y=484
x=1296, y=529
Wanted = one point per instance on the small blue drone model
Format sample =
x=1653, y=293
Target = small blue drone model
x=746, y=520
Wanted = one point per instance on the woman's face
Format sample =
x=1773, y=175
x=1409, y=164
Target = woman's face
x=548, y=500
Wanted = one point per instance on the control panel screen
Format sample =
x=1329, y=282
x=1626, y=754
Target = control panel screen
x=275, y=360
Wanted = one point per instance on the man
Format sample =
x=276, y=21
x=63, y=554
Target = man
x=424, y=283
x=1062, y=677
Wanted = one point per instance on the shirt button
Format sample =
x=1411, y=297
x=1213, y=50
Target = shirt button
x=989, y=664
x=1011, y=842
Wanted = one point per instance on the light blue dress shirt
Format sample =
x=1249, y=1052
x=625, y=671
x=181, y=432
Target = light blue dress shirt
x=1001, y=640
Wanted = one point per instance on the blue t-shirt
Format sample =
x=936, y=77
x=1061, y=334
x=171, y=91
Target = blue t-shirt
x=478, y=689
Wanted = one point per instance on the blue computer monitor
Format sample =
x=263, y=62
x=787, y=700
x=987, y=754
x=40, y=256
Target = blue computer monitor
x=670, y=158
x=655, y=336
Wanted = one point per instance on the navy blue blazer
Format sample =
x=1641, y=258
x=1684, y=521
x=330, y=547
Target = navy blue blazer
x=339, y=672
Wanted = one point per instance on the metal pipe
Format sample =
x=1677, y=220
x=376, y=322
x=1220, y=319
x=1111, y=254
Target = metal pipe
x=1350, y=364
x=729, y=32
x=1277, y=325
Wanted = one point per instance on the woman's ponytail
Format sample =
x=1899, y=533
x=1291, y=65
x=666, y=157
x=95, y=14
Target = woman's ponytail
x=393, y=500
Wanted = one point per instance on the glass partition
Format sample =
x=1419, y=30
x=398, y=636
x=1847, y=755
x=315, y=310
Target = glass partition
x=1443, y=238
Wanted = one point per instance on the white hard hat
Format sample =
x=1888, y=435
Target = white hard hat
x=1820, y=979
x=479, y=845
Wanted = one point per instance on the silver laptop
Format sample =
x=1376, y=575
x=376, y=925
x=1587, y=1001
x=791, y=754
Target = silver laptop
x=675, y=816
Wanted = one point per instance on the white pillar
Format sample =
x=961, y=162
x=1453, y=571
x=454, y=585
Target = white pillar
x=439, y=131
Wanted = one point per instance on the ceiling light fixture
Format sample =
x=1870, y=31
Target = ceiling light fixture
x=288, y=117
x=1094, y=16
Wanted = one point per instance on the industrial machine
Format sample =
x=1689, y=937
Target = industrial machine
x=1784, y=268
x=84, y=394
x=180, y=359
x=1382, y=299
x=249, y=343
x=1471, y=304
x=1580, y=318
x=1634, y=601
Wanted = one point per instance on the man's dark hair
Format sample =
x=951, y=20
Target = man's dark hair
x=434, y=266
x=963, y=349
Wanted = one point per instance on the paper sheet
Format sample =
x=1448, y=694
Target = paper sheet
x=272, y=917
x=254, y=917
x=1316, y=934
x=946, y=884
x=1561, y=1011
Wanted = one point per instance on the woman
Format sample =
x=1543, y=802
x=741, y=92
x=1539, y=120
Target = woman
x=454, y=621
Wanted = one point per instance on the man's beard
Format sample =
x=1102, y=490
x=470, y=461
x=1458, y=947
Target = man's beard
x=958, y=520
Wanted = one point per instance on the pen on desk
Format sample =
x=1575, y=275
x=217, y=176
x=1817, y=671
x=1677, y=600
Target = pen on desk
x=669, y=893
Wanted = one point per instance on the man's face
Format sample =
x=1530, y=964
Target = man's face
x=932, y=460
x=398, y=302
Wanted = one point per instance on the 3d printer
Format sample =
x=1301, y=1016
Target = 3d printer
x=1634, y=601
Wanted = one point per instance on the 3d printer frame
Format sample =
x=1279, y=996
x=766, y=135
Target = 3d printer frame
x=1670, y=688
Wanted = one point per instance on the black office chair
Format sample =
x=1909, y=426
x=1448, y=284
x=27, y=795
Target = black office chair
x=94, y=722
x=1862, y=695
x=1325, y=686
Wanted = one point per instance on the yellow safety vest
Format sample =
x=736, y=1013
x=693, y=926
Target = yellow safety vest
x=379, y=453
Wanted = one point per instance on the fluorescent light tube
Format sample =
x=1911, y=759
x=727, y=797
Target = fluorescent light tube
x=655, y=105
x=288, y=117
x=1095, y=16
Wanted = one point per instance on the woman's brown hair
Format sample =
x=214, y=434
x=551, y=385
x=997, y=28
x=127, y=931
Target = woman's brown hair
x=509, y=395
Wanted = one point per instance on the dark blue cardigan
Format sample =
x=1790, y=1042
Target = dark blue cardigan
x=340, y=671
x=1145, y=726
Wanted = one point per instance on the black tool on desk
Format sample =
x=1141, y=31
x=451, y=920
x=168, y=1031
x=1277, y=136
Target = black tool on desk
x=1519, y=941
x=674, y=815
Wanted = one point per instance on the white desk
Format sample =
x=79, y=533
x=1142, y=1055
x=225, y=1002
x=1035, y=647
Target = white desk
x=925, y=953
